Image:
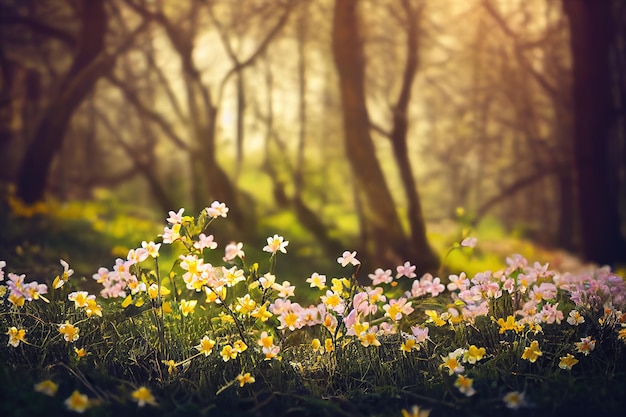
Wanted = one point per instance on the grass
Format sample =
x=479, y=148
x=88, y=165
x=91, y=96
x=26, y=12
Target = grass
x=357, y=369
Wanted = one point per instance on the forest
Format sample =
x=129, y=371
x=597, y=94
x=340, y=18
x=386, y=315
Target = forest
x=451, y=136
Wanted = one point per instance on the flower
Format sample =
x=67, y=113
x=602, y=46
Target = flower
x=143, y=396
x=245, y=304
x=81, y=353
x=566, y=362
x=217, y=209
x=80, y=298
x=452, y=362
x=348, y=258
x=469, y=242
x=206, y=345
x=232, y=251
x=406, y=270
x=532, y=352
x=474, y=354
x=175, y=218
x=152, y=248
x=188, y=307
x=317, y=280
x=575, y=318
x=228, y=353
x=62, y=279
x=465, y=385
x=239, y=346
x=69, y=332
x=586, y=345
x=275, y=244
x=369, y=339
x=2, y=265
x=621, y=334
x=205, y=241
x=409, y=345
x=266, y=340
x=245, y=379
x=93, y=308
x=317, y=346
x=509, y=324
x=397, y=308
x=514, y=400
x=285, y=290
x=47, y=387
x=381, y=276
x=77, y=402
x=415, y=412
x=16, y=336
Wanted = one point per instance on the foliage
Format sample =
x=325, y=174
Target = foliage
x=203, y=333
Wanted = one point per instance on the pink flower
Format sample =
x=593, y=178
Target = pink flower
x=217, y=209
x=469, y=242
x=205, y=241
x=175, y=218
x=406, y=270
x=381, y=276
x=233, y=250
x=348, y=258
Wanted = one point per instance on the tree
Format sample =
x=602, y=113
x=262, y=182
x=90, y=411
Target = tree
x=592, y=35
x=390, y=244
x=90, y=63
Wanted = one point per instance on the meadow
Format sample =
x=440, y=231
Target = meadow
x=181, y=324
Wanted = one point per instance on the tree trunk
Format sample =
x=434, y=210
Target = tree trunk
x=391, y=245
x=88, y=66
x=426, y=258
x=591, y=33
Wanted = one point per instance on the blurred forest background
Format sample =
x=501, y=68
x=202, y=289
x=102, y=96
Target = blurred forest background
x=372, y=125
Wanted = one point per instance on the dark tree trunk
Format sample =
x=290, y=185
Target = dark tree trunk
x=88, y=66
x=391, y=245
x=591, y=32
x=427, y=259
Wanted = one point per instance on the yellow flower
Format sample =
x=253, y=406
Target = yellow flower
x=171, y=366
x=93, y=308
x=338, y=284
x=206, y=345
x=621, y=334
x=465, y=385
x=245, y=379
x=369, y=339
x=167, y=307
x=240, y=346
x=474, y=354
x=567, y=362
x=317, y=346
x=69, y=332
x=81, y=353
x=532, y=352
x=433, y=317
x=16, y=336
x=509, y=324
x=266, y=341
x=514, y=400
x=228, y=353
x=77, y=402
x=143, y=396
x=47, y=387
x=245, y=304
x=415, y=412
x=16, y=300
x=409, y=345
x=187, y=307
x=225, y=318
x=329, y=345
x=261, y=313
